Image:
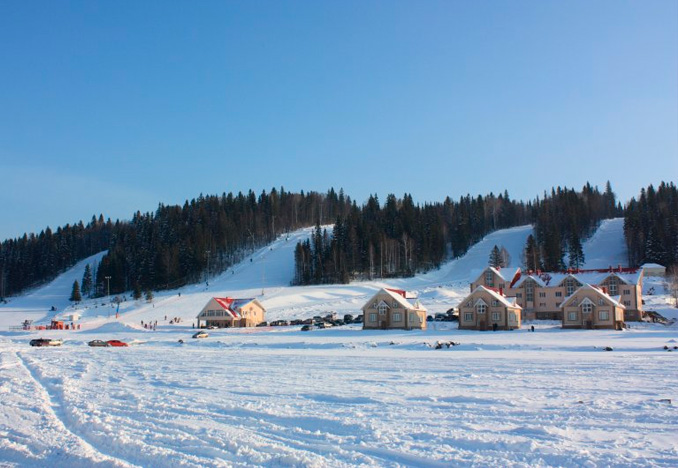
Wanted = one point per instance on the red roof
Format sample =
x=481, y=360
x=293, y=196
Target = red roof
x=226, y=302
x=402, y=292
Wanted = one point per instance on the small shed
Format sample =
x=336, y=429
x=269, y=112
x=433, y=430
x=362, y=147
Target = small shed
x=654, y=269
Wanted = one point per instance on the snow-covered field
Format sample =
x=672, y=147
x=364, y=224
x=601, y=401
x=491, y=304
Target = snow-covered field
x=337, y=397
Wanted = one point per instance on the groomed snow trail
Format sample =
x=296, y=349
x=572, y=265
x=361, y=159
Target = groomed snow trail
x=60, y=443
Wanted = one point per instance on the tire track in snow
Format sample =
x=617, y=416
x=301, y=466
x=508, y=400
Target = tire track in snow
x=55, y=412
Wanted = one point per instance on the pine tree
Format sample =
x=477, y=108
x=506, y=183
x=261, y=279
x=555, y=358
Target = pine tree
x=87, y=282
x=532, y=254
x=136, y=293
x=575, y=252
x=149, y=295
x=75, y=293
x=495, y=257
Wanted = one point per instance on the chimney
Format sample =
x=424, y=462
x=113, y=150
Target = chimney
x=501, y=291
x=604, y=289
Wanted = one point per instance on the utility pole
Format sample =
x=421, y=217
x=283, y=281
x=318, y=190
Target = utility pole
x=207, y=280
x=108, y=280
x=263, y=274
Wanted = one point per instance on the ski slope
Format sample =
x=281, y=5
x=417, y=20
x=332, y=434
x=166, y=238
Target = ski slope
x=607, y=247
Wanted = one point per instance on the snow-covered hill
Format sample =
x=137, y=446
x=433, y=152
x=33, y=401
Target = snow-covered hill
x=344, y=397
x=607, y=246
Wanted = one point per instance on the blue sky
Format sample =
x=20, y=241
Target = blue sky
x=110, y=107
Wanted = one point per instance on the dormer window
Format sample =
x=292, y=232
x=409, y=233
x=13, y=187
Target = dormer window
x=587, y=308
x=613, y=286
x=481, y=308
x=383, y=308
x=489, y=278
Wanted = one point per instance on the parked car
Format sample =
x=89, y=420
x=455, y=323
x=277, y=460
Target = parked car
x=280, y=323
x=348, y=318
x=98, y=343
x=358, y=319
x=296, y=322
x=116, y=343
x=323, y=325
x=45, y=342
x=308, y=321
x=306, y=328
x=201, y=334
x=262, y=324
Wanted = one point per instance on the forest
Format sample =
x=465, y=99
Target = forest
x=182, y=244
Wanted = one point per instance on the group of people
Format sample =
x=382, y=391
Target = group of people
x=149, y=325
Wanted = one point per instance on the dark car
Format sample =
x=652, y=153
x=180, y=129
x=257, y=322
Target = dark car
x=98, y=343
x=116, y=343
x=348, y=318
x=45, y=342
x=306, y=328
x=262, y=324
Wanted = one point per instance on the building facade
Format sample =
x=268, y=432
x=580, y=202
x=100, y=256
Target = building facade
x=591, y=307
x=488, y=309
x=224, y=312
x=391, y=309
x=542, y=294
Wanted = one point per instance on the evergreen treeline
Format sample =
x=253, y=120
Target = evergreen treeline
x=176, y=245
x=400, y=238
x=186, y=244
x=562, y=221
x=651, y=226
x=33, y=259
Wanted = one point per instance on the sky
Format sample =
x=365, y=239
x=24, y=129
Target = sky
x=114, y=107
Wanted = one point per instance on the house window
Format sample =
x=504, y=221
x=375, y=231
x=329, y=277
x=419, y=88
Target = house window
x=501, y=285
x=468, y=316
x=513, y=317
x=496, y=316
x=470, y=303
x=481, y=308
x=569, y=285
x=495, y=303
x=542, y=304
x=572, y=316
x=373, y=317
x=397, y=317
x=395, y=305
x=489, y=278
x=627, y=303
x=382, y=309
x=519, y=295
x=613, y=287
x=542, y=294
x=559, y=294
x=603, y=315
x=627, y=292
x=529, y=292
x=601, y=301
x=587, y=308
x=413, y=317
